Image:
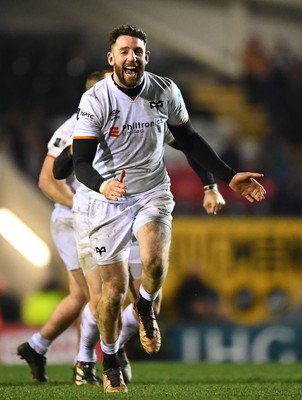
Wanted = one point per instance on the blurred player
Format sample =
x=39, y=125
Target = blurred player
x=69, y=309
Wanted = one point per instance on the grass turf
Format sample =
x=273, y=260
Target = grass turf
x=163, y=380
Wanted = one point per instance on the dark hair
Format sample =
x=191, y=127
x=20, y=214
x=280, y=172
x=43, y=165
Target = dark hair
x=127, y=30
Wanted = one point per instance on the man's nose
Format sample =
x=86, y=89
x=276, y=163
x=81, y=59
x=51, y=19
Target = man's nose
x=132, y=55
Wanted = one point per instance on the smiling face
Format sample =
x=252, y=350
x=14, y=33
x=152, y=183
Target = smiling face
x=129, y=58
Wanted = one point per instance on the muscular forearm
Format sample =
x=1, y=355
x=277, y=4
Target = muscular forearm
x=206, y=177
x=57, y=191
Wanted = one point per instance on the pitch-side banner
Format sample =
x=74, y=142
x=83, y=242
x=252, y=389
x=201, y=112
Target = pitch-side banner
x=255, y=264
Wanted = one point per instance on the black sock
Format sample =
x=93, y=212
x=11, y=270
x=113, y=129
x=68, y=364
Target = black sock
x=110, y=361
x=144, y=306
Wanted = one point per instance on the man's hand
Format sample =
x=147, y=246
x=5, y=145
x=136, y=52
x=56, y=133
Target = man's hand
x=115, y=188
x=246, y=184
x=213, y=201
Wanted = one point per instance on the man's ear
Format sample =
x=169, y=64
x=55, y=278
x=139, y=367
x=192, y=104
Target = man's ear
x=110, y=58
x=147, y=56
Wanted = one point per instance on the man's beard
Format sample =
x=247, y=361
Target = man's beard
x=128, y=81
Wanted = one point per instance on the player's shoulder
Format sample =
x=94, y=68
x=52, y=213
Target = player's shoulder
x=159, y=80
x=61, y=136
x=98, y=88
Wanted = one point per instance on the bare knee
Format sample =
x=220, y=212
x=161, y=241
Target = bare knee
x=155, y=268
x=113, y=295
x=78, y=297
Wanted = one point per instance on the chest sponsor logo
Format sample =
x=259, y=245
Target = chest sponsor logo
x=135, y=127
x=140, y=127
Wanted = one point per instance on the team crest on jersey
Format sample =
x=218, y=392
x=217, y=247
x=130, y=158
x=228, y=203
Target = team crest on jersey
x=156, y=104
x=114, y=114
x=84, y=114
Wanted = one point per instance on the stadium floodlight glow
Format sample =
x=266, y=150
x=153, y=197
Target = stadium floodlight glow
x=23, y=239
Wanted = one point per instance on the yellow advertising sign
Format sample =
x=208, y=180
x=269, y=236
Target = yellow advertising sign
x=254, y=263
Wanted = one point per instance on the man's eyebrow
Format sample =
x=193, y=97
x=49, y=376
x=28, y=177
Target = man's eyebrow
x=128, y=47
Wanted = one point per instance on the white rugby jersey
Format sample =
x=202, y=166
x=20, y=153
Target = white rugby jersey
x=61, y=137
x=131, y=132
x=80, y=199
x=57, y=143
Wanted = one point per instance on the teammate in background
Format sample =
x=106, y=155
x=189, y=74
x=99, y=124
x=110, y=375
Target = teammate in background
x=69, y=309
x=63, y=167
x=118, y=152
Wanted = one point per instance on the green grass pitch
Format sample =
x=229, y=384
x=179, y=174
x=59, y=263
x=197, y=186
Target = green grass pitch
x=163, y=381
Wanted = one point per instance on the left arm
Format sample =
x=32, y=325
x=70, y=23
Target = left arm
x=63, y=164
x=83, y=156
x=206, y=177
x=55, y=190
x=202, y=153
x=213, y=200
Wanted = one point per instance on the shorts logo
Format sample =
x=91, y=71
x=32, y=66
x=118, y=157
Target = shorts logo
x=100, y=250
x=157, y=105
x=114, y=131
x=163, y=211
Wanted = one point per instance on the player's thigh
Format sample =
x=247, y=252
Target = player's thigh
x=107, y=283
x=115, y=279
x=109, y=277
x=94, y=281
x=154, y=242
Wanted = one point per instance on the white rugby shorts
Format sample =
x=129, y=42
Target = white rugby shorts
x=135, y=263
x=81, y=232
x=85, y=252
x=112, y=224
x=62, y=231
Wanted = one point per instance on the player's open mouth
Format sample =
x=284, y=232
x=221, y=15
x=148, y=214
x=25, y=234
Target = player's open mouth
x=130, y=71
